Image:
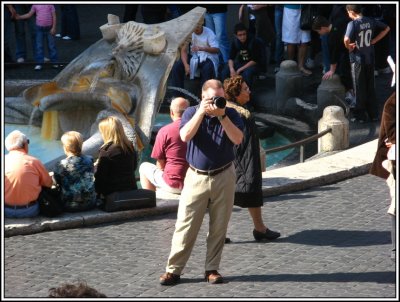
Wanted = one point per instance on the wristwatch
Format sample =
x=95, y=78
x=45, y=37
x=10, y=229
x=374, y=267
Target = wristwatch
x=221, y=117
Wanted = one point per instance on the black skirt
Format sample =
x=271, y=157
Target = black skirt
x=249, y=199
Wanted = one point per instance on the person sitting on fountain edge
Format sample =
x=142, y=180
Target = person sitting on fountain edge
x=117, y=161
x=75, y=175
x=170, y=152
x=201, y=62
x=24, y=176
x=245, y=57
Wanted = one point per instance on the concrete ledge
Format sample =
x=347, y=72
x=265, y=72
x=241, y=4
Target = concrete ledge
x=321, y=171
x=16, y=87
x=26, y=226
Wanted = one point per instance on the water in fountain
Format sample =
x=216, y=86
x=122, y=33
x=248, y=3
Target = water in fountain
x=184, y=91
x=94, y=82
x=270, y=142
x=35, y=109
x=45, y=150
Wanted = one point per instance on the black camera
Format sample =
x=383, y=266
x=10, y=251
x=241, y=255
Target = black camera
x=219, y=101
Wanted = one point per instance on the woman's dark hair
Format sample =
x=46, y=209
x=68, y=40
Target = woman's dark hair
x=233, y=87
x=78, y=290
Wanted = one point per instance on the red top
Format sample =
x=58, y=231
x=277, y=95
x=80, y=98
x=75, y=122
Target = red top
x=169, y=147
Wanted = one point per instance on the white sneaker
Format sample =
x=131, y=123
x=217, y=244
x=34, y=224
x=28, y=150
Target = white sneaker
x=310, y=63
x=376, y=73
x=66, y=38
x=46, y=60
x=20, y=60
x=58, y=35
x=350, y=99
x=38, y=67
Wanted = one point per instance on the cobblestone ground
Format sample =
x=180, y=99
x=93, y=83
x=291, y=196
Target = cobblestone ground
x=335, y=243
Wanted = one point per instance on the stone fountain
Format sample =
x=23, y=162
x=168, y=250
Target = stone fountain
x=124, y=74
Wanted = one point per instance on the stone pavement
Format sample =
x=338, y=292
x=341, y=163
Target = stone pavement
x=335, y=243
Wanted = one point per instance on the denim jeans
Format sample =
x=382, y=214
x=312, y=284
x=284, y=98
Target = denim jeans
x=207, y=72
x=22, y=213
x=22, y=28
x=70, y=21
x=43, y=33
x=217, y=23
x=7, y=35
x=247, y=74
x=325, y=52
x=278, y=34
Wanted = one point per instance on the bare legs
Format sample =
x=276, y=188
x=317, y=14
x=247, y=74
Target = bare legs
x=256, y=215
x=301, y=56
x=291, y=51
x=146, y=184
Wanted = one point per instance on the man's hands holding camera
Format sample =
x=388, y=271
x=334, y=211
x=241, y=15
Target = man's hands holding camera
x=214, y=106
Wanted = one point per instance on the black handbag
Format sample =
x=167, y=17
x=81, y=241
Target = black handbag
x=308, y=14
x=129, y=200
x=50, y=203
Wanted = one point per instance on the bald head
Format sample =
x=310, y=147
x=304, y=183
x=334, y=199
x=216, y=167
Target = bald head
x=212, y=88
x=213, y=83
x=15, y=140
x=178, y=106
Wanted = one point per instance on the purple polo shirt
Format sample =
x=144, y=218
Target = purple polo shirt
x=210, y=148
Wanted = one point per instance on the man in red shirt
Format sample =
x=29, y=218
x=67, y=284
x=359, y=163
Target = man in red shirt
x=170, y=152
x=24, y=177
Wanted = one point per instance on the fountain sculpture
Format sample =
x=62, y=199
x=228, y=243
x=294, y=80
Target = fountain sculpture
x=123, y=74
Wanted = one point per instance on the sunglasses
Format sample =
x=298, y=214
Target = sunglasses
x=27, y=141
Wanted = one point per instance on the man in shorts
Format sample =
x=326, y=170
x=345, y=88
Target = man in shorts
x=169, y=150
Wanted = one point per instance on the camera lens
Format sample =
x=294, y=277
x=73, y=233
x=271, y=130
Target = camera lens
x=219, y=101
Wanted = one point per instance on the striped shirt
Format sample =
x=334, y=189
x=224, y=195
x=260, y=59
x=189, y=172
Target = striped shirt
x=44, y=14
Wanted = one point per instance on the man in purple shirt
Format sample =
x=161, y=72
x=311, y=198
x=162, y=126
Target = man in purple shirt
x=170, y=152
x=211, y=133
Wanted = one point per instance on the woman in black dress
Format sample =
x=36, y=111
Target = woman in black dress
x=248, y=192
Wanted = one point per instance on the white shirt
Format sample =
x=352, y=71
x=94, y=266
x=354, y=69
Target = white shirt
x=206, y=39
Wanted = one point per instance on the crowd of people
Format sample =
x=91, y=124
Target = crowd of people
x=268, y=34
x=210, y=153
x=40, y=22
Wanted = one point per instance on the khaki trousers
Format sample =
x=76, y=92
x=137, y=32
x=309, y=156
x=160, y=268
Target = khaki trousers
x=199, y=193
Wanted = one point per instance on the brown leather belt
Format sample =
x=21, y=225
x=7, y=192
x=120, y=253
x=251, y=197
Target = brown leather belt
x=30, y=204
x=211, y=172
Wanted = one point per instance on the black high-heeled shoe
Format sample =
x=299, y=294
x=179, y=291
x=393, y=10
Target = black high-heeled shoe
x=269, y=235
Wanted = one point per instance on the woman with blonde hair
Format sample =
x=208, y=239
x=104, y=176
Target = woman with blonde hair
x=117, y=160
x=75, y=175
x=248, y=193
